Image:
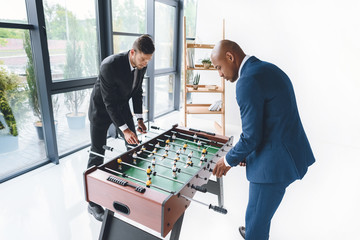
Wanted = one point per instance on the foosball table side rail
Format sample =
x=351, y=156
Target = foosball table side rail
x=85, y=174
x=144, y=208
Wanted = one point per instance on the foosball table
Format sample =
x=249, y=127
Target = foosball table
x=154, y=182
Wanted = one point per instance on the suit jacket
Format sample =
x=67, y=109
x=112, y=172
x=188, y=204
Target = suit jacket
x=109, y=101
x=273, y=140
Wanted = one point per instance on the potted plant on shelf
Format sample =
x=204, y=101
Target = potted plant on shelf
x=196, y=81
x=206, y=63
x=73, y=101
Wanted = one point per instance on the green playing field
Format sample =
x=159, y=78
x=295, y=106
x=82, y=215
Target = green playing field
x=169, y=184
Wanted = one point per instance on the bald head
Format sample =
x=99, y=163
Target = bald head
x=224, y=46
x=227, y=57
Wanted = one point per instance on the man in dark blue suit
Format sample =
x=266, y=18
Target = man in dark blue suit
x=273, y=145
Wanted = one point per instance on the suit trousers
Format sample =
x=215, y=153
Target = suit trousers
x=264, y=199
x=98, y=134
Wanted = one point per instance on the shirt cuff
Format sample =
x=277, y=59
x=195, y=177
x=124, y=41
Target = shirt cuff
x=123, y=127
x=226, y=163
x=138, y=115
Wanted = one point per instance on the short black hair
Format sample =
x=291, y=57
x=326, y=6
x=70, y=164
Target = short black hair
x=144, y=44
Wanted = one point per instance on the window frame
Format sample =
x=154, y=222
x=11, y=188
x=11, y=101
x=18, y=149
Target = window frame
x=46, y=87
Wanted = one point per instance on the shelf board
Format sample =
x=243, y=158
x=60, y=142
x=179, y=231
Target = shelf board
x=203, y=89
x=196, y=45
x=200, y=109
x=201, y=67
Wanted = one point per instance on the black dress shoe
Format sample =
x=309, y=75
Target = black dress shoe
x=242, y=231
x=96, y=210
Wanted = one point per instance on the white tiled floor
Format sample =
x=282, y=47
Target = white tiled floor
x=48, y=203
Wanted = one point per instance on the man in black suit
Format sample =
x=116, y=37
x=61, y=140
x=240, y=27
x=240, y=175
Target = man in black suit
x=120, y=78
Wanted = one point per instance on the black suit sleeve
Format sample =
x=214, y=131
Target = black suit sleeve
x=112, y=102
x=137, y=100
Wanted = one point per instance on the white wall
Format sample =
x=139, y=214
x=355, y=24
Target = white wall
x=317, y=43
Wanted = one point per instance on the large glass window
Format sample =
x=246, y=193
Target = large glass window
x=190, y=11
x=164, y=97
x=129, y=16
x=13, y=11
x=164, y=35
x=72, y=43
x=72, y=40
x=21, y=134
x=129, y=22
x=123, y=43
x=70, y=112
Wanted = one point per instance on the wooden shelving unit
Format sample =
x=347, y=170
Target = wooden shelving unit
x=202, y=108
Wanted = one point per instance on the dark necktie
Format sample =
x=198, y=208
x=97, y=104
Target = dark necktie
x=134, y=75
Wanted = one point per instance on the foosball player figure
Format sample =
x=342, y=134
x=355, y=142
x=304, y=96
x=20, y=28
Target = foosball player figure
x=134, y=157
x=176, y=159
x=202, y=159
x=199, y=144
x=164, y=156
x=148, y=172
x=195, y=137
x=174, y=169
x=178, y=152
x=153, y=152
x=167, y=141
x=204, y=151
x=120, y=163
x=141, y=150
x=188, y=163
x=185, y=146
x=167, y=148
x=157, y=145
x=153, y=162
x=148, y=182
x=173, y=137
x=190, y=154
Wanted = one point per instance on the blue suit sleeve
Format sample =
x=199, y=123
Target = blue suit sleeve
x=251, y=102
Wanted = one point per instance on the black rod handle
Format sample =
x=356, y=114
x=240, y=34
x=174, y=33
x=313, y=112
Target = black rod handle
x=125, y=183
x=199, y=188
x=218, y=209
x=194, y=130
x=155, y=127
x=210, y=133
x=108, y=148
